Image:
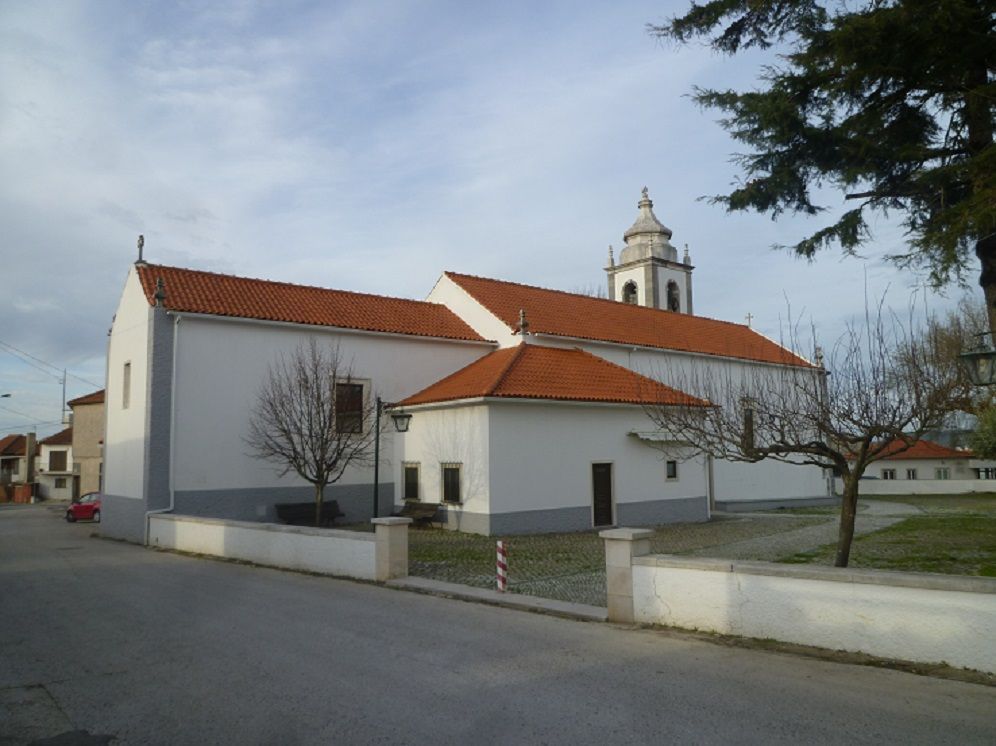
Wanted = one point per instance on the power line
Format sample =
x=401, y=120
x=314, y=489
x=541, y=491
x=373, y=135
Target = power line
x=27, y=357
x=14, y=411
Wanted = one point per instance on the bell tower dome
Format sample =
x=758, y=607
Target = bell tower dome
x=648, y=272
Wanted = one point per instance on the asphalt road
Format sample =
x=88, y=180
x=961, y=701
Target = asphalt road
x=102, y=639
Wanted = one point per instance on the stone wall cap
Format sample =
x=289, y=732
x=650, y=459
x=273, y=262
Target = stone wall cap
x=390, y=521
x=626, y=534
x=863, y=576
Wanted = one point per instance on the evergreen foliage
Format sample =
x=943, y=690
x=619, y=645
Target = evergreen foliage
x=891, y=102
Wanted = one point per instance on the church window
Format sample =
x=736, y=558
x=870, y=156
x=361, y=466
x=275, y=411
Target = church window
x=672, y=470
x=629, y=292
x=673, y=298
x=348, y=407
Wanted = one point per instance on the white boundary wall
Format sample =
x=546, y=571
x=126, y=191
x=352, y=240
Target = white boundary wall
x=347, y=553
x=913, y=617
x=871, y=487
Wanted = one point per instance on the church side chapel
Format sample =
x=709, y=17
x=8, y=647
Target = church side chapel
x=527, y=404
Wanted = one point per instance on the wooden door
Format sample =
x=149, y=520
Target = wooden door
x=601, y=484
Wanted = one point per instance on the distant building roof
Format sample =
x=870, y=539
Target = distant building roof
x=14, y=445
x=531, y=371
x=61, y=438
x=194, y=291
x=582, y=317
x=924, y=449
x=97, y=397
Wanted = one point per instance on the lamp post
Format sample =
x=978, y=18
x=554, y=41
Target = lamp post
x=401, y=421
x=979, y=362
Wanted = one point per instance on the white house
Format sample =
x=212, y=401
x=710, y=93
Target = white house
x=515, y=427
x=54, y=466
x=927, y=468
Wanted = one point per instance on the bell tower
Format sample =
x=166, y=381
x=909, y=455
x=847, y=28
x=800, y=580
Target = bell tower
x=648, y=272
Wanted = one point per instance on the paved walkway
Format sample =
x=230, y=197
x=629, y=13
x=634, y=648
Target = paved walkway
x=872, y=516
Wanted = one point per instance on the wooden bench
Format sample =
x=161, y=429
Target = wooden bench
x=419, y=512
x=303, y=514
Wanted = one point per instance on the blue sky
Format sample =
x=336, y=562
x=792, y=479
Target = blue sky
x=367, y=146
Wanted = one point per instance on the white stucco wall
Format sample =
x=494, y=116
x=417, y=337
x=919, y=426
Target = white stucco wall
x=220, y=365
x=124, y=440
x=873, y=487
x=920, y=618
x=477, y=317
x=538, y=456
x=347, y=553
x=448, y=435
x=542, y=456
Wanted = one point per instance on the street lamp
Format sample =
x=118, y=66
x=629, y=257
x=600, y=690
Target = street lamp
x=979, y=363
x=401, y=422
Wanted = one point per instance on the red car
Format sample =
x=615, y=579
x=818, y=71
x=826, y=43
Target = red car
x=87, y=508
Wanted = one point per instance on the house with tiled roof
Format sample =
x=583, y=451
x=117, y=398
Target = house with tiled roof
x=928, y=468
x=54, y=466
x=13, y=464
x=88, y=442
x=528, y=405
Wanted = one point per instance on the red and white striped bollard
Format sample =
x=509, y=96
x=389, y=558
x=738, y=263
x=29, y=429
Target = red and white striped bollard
x=502, y=567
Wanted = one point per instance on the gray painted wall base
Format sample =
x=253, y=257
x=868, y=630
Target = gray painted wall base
x=122, y=518
x=746, y=506
x=257, y=504
x=562, y=520
x=657, y=512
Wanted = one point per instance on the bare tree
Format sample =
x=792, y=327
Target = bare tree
x=313, y=417
x=883, y=387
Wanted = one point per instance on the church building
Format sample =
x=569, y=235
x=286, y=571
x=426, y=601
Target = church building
x=528, y=405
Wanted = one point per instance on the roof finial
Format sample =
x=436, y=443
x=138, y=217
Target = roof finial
x=523, y=329
x=818, y=357
x=645, y=193
x=686, y=259
x=141, y=245
x=160, y=295
x=612, y=259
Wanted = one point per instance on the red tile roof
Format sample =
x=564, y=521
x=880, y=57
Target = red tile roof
x=531, y=371
x=583, y=317
x=97, y=397
x=924, y=449
x=10, y=444
x=61, y=438
x=14, y=445
x=194, y=291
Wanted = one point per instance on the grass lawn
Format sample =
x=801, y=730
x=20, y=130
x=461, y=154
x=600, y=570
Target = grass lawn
x=981, y=502
x=956, y=535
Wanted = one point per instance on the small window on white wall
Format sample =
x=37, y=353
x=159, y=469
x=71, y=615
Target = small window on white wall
x=126, y=386
x=942, y=472
x=451, y=483
x=410, y=480
x=672, y=470
x=911, y=473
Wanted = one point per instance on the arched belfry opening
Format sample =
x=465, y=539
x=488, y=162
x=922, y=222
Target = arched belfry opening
x=629, y=293
x=673, y=296
x=649, y=261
